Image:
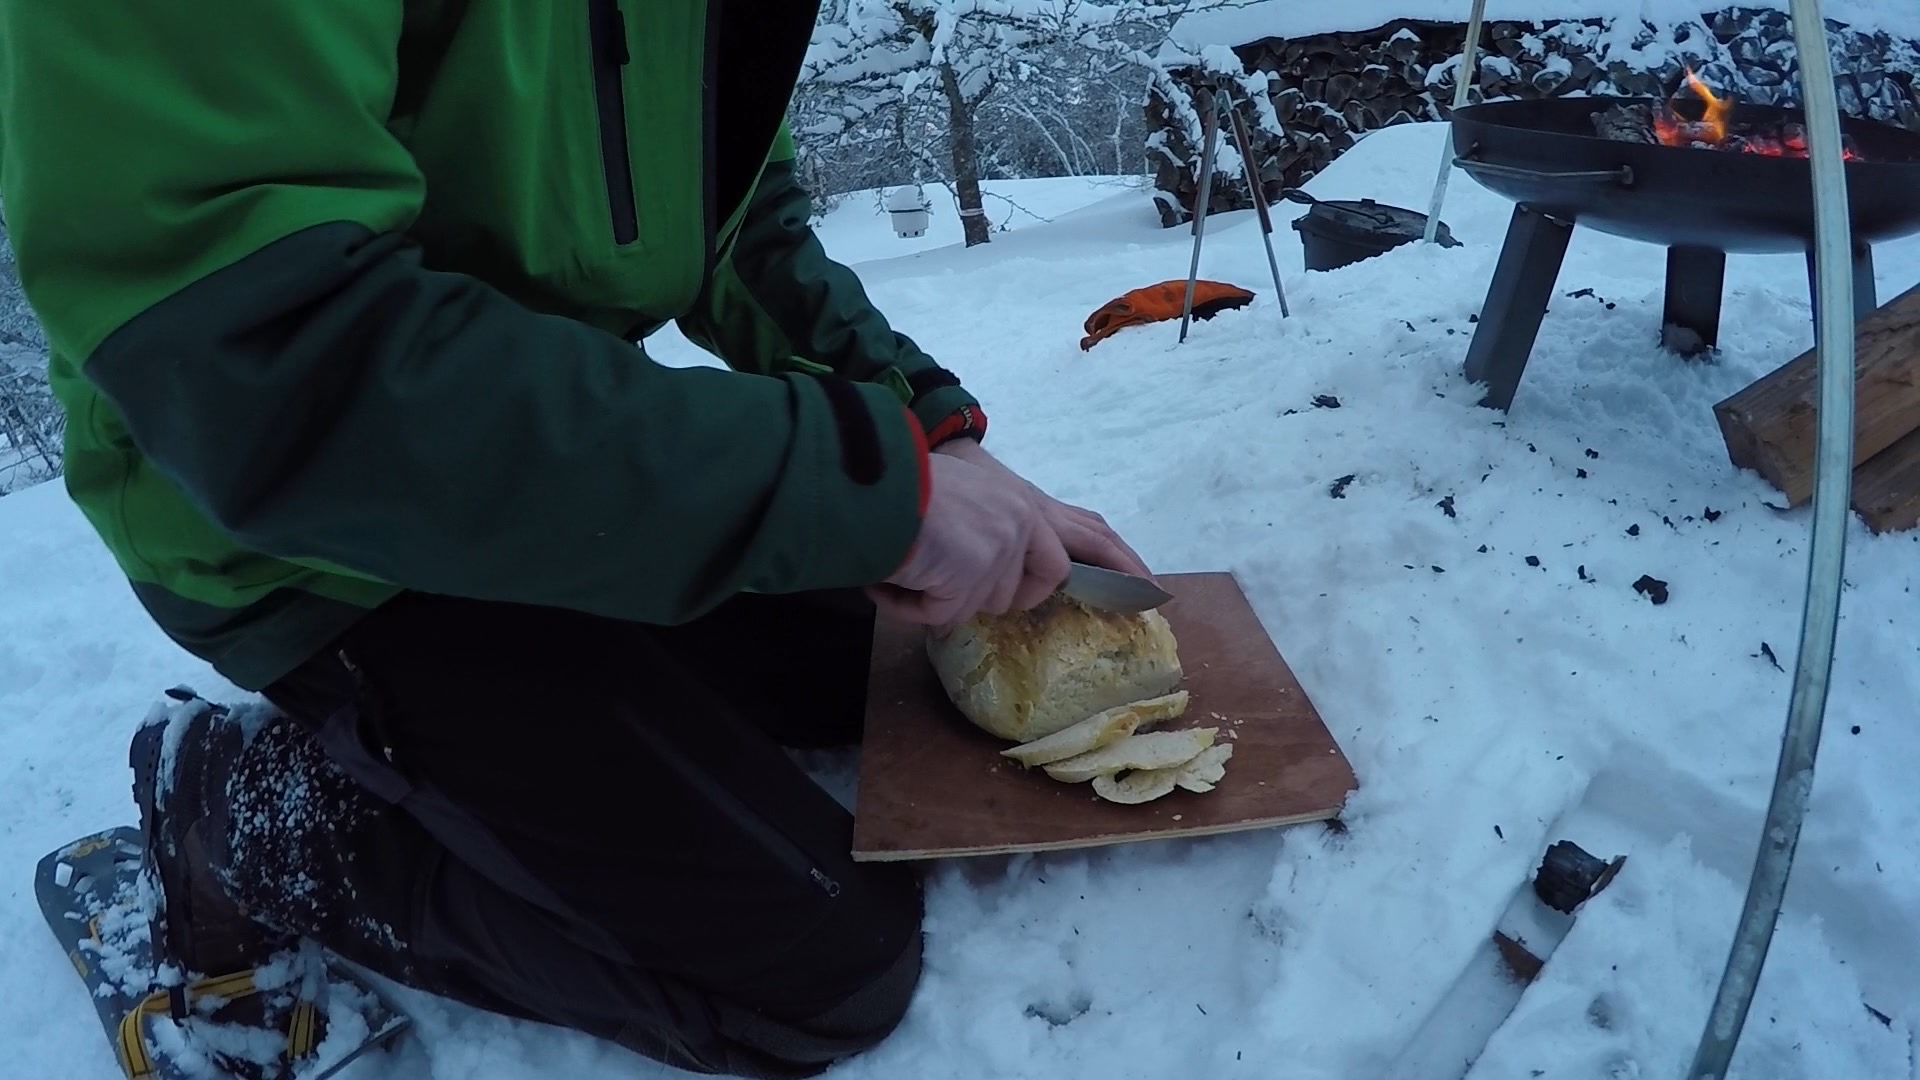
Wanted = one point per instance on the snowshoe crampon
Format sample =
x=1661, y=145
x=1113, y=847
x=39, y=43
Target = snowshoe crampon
x=298, y=1016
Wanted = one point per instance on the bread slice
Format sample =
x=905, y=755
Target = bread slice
x=1207, y=768
x=1155, y=750
x=1138, y=786
x=1099, y=730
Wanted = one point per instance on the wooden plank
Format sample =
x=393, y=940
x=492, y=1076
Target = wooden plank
x=1770, y=425
x=1886, y=489
x=933, y=785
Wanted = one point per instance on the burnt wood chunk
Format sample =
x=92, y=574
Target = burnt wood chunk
x=1770, y=426
x=1625, y=123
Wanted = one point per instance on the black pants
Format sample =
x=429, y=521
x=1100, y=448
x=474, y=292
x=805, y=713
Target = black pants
x=593, y=823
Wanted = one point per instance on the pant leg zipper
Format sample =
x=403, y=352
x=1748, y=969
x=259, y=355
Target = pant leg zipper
x=607, y=41
x=776, y=842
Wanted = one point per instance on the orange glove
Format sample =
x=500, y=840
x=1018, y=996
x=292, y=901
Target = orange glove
x=1157, y=303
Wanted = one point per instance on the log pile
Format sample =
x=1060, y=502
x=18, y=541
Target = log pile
x=1328, y=90
x=1771, y=426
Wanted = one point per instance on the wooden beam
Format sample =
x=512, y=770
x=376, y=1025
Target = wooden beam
x=1770, y=426
x=1886, y=488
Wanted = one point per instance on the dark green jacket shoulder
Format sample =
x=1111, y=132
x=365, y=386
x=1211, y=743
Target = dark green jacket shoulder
x=341, y=298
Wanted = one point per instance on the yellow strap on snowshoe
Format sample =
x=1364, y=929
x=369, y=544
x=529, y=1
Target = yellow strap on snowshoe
x=137, y=1063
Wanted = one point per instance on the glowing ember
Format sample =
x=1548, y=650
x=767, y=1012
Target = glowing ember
x=1715, y=129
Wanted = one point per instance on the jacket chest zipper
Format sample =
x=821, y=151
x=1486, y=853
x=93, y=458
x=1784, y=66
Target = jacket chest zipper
x=607, y=41
x=709, y=157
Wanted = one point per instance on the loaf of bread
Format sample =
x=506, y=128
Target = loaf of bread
x=1028, y=674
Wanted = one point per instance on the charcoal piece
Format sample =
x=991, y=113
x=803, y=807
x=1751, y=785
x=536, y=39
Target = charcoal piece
x=1652, y=588
x=1568, y=876
x=1339, y=487
x=1766, y=651
x=1533, y=560
x=1625, y=123
x=1326, y=401
x=1446, y=506
x=1712, y=515
x=1633, y=530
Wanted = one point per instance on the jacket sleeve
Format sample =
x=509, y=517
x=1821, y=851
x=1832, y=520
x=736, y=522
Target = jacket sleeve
x=778, y=300
x=209, y=213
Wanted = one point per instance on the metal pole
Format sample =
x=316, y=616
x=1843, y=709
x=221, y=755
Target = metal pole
x=1833, y=479
x=1259, y=197
x=1461, y=84
x=1209, y=125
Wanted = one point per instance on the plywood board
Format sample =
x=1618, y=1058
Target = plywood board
x=933, y=785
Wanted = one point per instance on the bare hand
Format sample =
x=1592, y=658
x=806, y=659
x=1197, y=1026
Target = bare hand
x=983, y=547
x=1086, y=535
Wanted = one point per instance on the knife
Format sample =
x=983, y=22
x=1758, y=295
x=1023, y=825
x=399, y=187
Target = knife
x=1112, y=590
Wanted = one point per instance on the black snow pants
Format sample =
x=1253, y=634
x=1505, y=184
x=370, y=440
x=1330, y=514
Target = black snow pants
x=594, y=824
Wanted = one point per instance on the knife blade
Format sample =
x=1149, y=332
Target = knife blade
x=1096, y=586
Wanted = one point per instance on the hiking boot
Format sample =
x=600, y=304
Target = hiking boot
x=180, y=767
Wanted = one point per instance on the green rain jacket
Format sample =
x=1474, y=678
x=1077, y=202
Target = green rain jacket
x=344, y=299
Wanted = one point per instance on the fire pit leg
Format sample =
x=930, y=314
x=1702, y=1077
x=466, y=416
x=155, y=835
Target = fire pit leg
x=1691, y=323
x=1864, y=301
x=1516, y=303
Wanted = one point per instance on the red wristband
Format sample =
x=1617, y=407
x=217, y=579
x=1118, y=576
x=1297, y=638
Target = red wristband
x=967, y=421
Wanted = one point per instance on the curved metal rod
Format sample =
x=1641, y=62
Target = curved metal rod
x=1462, y=83
x=1832, y=490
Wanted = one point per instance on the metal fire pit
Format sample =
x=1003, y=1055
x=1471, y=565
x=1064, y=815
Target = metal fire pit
x=1698, y=203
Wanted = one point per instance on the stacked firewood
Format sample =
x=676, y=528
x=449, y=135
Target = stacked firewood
x=1772, y=425
x=1327, y=91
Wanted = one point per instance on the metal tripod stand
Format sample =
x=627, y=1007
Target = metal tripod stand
x=1209, y=130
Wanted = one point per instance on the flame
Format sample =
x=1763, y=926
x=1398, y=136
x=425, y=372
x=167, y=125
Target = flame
x=1711, y=131
x=1711, y=128
x=1714, y=121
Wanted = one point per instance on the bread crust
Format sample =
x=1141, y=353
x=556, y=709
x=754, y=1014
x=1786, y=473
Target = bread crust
x=1026, y=675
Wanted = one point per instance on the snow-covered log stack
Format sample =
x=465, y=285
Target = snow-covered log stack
x=1327, y=90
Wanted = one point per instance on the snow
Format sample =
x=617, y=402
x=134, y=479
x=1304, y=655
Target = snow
x=1489, y=706
x=1239, y=24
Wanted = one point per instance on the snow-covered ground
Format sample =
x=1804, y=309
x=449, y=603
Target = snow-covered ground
x=1489, y=705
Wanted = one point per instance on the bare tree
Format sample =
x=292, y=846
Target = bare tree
x=31, y=426
x=31, y=421
x=927, y=71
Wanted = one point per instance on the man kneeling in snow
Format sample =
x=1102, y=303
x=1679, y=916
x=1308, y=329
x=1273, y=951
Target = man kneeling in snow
x=343, y=299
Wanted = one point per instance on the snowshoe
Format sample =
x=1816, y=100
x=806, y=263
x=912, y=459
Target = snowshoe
x=187, y=985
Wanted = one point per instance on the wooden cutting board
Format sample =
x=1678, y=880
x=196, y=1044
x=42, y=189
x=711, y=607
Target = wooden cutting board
x=932, y=785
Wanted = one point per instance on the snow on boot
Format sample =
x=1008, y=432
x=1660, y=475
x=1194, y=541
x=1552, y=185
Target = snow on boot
x=188, y=982
x=180, y=759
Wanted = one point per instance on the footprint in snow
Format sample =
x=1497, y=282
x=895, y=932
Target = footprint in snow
x=1061, y=1013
